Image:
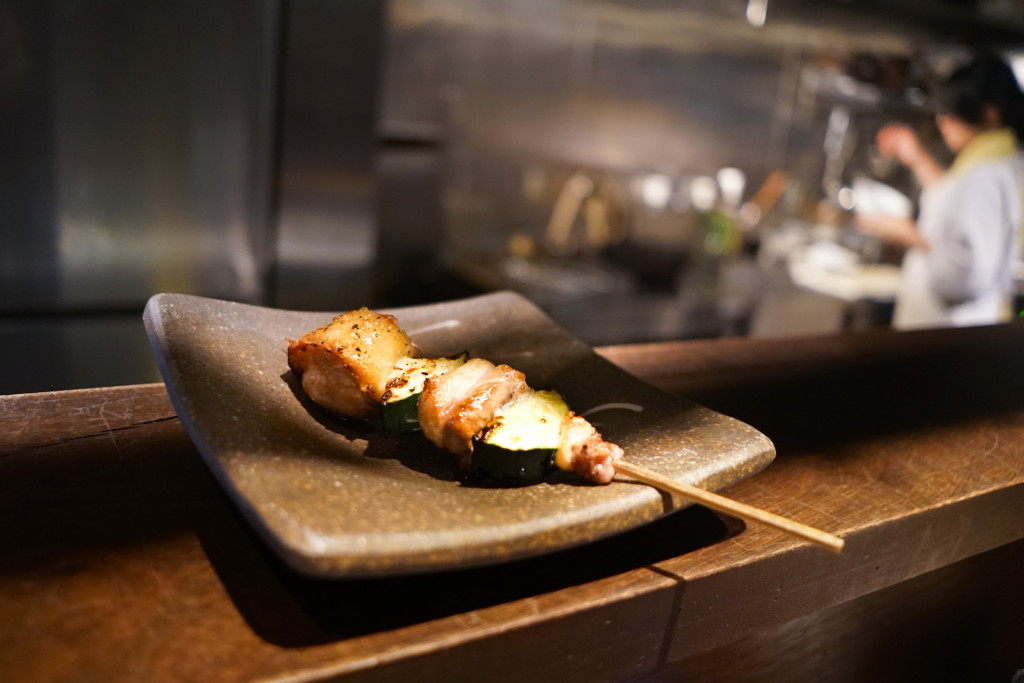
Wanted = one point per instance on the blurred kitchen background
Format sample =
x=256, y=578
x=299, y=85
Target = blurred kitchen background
x=641, y=170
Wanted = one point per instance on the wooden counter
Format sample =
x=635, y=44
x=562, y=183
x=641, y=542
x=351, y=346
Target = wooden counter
x=121, y=560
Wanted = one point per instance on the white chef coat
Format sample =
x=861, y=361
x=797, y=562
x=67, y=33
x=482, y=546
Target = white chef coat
x=971, y=222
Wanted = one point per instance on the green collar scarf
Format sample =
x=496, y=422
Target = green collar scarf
x=986, y=146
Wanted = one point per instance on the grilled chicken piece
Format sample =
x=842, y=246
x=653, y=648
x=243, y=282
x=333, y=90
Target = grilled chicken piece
x=584, y=452
x=441, y=395
x=458, y=404
x=345, y=365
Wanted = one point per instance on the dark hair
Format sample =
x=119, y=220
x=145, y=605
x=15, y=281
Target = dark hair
x=988, y=80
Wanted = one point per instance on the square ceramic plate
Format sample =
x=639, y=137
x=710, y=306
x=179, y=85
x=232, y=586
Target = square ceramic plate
x=333, y=499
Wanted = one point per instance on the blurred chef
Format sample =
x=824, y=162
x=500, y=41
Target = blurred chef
x=957, y=270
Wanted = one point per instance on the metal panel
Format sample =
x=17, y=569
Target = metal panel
x=326, y=242
x=148, y=135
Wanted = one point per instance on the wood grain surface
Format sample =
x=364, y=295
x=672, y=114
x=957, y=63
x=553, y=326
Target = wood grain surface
x=122, y=560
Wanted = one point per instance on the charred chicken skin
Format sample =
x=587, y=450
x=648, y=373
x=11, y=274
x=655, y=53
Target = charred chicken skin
x=345, y=365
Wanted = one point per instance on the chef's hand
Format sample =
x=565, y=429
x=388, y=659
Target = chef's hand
x=899, y=231
x=899, y=141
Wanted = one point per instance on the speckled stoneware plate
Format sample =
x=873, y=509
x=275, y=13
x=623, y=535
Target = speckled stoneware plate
x=333, y=499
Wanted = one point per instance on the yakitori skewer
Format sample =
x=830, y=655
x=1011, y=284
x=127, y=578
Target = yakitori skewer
x=364, y=366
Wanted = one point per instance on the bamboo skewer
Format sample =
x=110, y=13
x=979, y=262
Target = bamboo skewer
x=730, y=507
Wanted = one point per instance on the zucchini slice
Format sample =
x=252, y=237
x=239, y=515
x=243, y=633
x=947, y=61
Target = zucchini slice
x=399, y=413
x=520, y=443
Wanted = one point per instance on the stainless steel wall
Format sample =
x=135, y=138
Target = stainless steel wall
x=517, y=102
x=135, y=151
x=522, y=94
x=326, y=242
